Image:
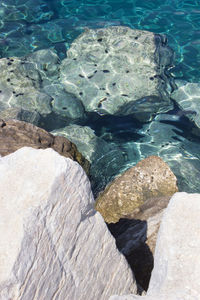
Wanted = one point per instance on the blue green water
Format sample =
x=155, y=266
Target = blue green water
x=30, y=25
x=39, y=24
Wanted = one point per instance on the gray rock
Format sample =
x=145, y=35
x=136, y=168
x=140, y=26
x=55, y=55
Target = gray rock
x=118, y=70
x=19, y=114
x=187, y=97
x=106, y=158
x=31, y=84
x=20, y=87
x=64, y=104
x=46, y=61
x=53, y=244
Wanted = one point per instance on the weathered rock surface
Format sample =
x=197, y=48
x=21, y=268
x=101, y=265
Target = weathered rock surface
x=20, y=85
x=176, y=264
x=150, y=178
x=179, y=296
x=187, y=97
x=136, y=238
x=118, y=71
x=16, y=134
x=53, y=244
x=141, y=227
x=106, y=158
x=31, y=83
x=105, y=72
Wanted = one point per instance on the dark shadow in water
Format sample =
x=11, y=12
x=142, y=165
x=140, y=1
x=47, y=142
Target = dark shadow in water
x=140, y=257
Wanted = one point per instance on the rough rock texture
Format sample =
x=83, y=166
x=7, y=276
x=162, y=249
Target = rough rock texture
x=20, y=85
x=136, y=238
x=177, y=250
x=150, y=178
x=16, y=134
x=176, y=265
x=106, y=158
x=118, y=70
x=179, y=296
x=141, y=227
x=105, y=72
x=31, y=83
x=53, y=244
x=187, y=97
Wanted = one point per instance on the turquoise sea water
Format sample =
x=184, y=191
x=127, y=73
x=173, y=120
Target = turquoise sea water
x=55, y=23
x=28, y=26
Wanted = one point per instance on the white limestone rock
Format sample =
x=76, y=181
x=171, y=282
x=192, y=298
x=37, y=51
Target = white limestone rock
x=176, y=266
x=53, y=244
x=177, y=255
x=160, y=297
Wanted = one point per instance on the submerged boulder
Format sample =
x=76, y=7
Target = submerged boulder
x=172, y=137
x=53, y=244
x=30, y=83
x=150, y=178
x=106, y=159
x=20, y=85
x=20, y=114
x=176, y=264
x=119, y=71
x=16, y=134
x=187, y=96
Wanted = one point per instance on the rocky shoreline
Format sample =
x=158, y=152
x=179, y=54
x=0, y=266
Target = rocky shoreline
x=55, y=243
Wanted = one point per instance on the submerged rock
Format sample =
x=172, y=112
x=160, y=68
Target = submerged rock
x=150, y=178
x=16, y=134
x=106, y=159
x=28, y=10
x=187, y=97
x=31, y=83
x=118, y=71
x=176, y=264
x=16, y=113
x=20, y=85
x=53, y=243
x=170, y=136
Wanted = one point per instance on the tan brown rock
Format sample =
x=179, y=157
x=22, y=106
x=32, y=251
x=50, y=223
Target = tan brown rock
x=151, y=178
x=16, y=134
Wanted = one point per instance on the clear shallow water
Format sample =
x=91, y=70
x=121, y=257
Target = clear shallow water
x=55, y=23
x=27, y=26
